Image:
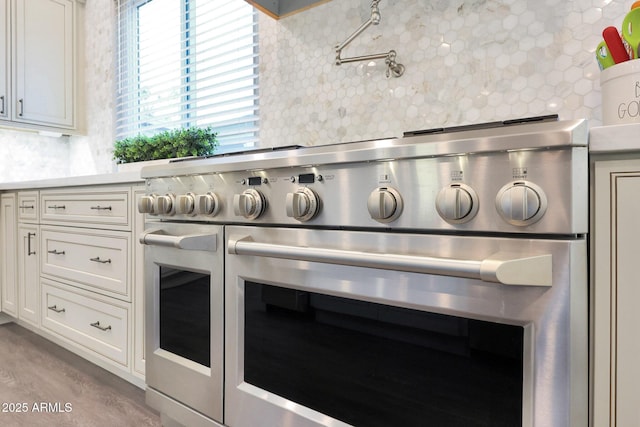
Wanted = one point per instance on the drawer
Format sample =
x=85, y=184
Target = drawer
x=96, y=260
x=88, y=322
x=104, y=208
x=28, y=206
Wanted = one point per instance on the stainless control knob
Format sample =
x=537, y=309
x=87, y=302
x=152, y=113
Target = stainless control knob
x=457, y=203
x=302, y=205
x=207, y=204
x=146, y=204
x=385, y=204
x=165, y=205
x=185, y=204
x=521, y=203
x=250, y=204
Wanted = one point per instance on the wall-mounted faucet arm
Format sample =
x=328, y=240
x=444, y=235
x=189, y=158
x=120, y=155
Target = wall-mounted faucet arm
x=390, y=57
x=374, y=19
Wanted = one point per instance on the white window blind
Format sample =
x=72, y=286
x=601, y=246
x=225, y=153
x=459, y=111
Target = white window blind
x=184, y=63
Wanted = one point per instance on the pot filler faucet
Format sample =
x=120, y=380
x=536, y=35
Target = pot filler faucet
x=393, y=68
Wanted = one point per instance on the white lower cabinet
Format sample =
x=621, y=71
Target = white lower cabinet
x=8, y=260
x=97, y=260
x=616, y=294
x=139, y=357
x=28, y=256
x=96, y=323
x=71, y=272
x=28, y=274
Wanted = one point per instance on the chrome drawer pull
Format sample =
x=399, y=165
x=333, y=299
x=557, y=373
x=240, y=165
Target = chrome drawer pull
x=101, y=261
x=101, y=208
x=29, y=251
x=102, y=328
x=57, y=207
x=56, y=309
x=56, y=252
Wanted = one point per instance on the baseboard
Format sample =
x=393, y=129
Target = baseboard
x=5, y=318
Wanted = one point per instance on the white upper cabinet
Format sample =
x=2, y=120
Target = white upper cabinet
x=5, y=36
x=43, y=63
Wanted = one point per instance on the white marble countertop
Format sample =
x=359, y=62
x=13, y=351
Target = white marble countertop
x=614, y=139
x=108, y=178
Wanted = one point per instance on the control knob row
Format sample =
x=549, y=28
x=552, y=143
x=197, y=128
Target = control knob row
x=201, y=204
x=303, y=204
x=519, y=203
x=186, y=204
x=157, y=205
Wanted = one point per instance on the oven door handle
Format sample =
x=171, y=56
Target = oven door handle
x=501, y=267
x=189, y=242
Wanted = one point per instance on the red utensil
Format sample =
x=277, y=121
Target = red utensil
x=614, y=43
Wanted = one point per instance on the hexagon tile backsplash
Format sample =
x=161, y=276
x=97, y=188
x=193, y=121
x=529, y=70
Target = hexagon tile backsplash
x=467, y=61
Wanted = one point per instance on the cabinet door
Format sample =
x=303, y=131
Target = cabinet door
x=616, y=295
x=44, y=68
x=8, y=271
x=627, y=299
x=5, y=36
x=138, y=288
x=28, y=274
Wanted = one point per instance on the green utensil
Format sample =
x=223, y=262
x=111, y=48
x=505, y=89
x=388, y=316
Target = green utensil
x=631, y=32
x=603, y=56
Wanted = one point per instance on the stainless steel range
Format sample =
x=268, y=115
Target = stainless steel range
x=436, y=278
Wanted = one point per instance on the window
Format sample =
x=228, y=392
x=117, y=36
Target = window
x=184, y=63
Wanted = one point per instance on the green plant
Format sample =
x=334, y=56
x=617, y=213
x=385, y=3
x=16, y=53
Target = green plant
x=166, y=145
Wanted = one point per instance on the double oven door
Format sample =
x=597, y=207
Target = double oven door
x=338, y=328
x=184, y=317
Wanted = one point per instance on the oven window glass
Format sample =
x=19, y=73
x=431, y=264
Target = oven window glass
x=184, y=314
x=374, y=365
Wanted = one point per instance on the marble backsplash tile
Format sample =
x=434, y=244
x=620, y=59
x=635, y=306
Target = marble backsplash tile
x=26, y=156
x=467, y=61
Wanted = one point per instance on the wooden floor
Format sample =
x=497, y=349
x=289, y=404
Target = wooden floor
x=53, y=387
